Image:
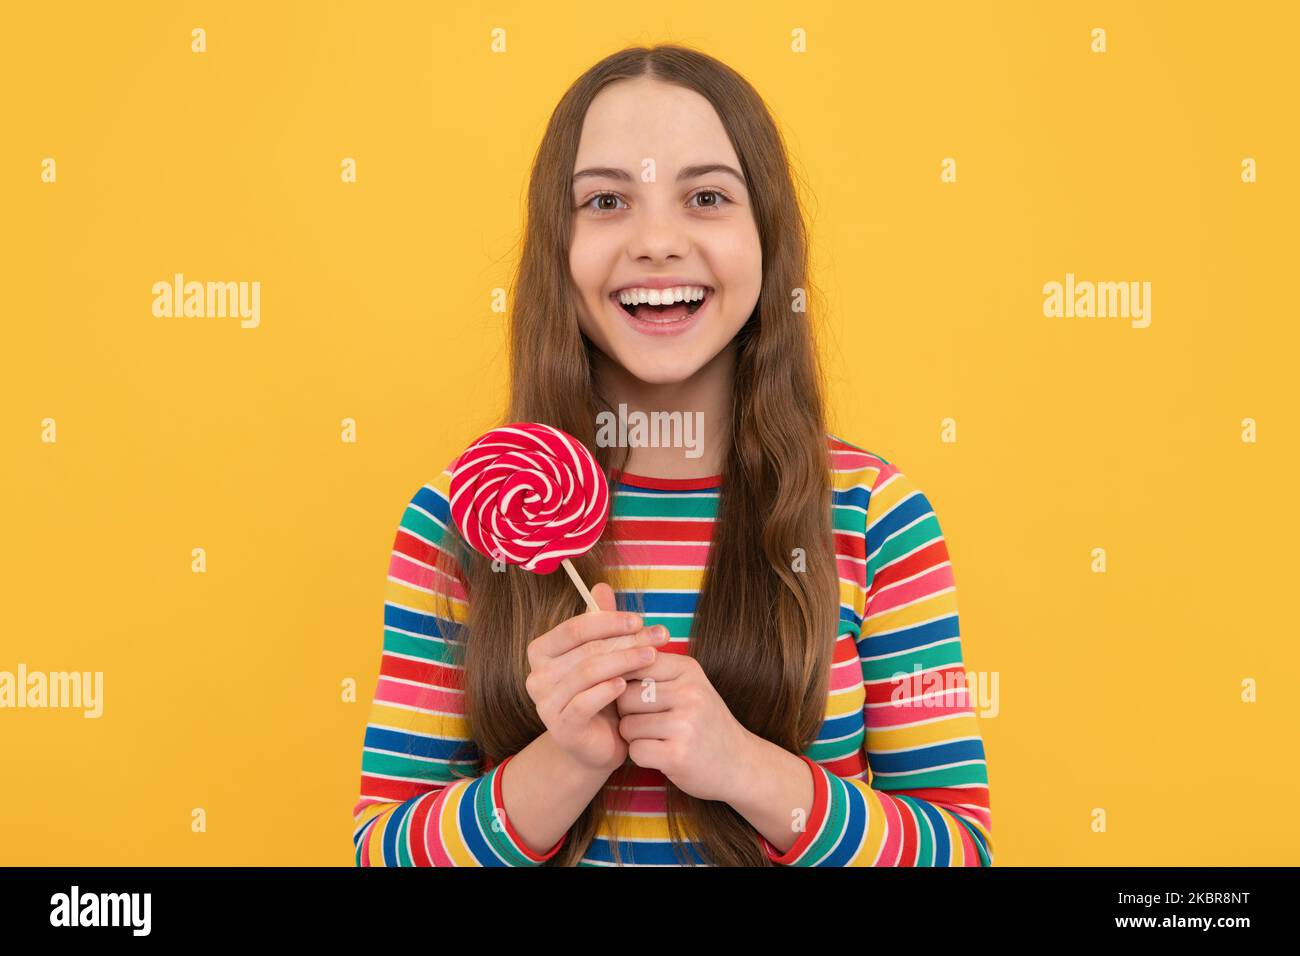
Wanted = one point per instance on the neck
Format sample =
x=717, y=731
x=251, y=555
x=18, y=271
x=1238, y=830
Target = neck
x=704, y=402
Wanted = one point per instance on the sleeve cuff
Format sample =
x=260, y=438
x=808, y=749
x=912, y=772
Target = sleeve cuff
x=510, y=834
x=813, y=824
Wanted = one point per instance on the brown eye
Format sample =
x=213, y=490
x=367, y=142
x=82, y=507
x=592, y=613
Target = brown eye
x=718, y=198
x=598, y=198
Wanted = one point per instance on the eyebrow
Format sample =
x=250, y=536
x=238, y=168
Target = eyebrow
x=687, y=172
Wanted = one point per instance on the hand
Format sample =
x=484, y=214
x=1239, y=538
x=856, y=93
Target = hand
x=576, y=670
x=675, y=722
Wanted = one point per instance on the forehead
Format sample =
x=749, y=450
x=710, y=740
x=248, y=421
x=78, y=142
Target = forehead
x=634, y=119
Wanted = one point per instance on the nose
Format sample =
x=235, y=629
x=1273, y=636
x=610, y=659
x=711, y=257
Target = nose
x=659, y=233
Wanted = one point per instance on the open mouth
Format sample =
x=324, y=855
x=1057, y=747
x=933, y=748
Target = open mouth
x=645, y=312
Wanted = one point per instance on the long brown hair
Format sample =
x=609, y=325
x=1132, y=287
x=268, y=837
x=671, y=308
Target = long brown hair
x=765, y=623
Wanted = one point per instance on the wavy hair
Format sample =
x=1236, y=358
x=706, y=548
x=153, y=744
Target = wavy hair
x=763, y=632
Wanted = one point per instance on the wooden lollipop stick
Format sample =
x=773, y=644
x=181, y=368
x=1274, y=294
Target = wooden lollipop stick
x=582, y=588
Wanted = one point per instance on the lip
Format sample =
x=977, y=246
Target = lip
x=679, y=327
x=661, y=282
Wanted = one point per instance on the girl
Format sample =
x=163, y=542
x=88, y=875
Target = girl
x=792, y=590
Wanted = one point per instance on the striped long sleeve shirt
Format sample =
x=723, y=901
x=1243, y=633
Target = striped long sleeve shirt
x=898, y=767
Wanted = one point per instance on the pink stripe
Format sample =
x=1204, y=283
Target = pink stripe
x=851, y=570
x=931, y=582
x=423, y=696
x=893, y=847
x=969, y=855
x=890, y=714
x=685, y=555
x=885, y=473
x=408, y=571
x=433, y=828
x=845, y=674
x=979, y=814
x=641, y=801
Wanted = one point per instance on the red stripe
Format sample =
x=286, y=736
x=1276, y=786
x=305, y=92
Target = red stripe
x=422, y=672
x=415, y=832
x=911, y=838
x=913, y=685
x=850, y=545
x=408, y=544
x=665, y=484
x=394, y=790
x=932, y=554
x=651, y=529
x=944, y=797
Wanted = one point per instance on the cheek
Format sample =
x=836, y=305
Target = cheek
x=585, y=284
x=737, y=260
x=590, y=254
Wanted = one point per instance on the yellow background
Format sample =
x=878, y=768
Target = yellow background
x=1119, y=691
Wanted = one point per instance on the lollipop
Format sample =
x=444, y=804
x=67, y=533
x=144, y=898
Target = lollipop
x=530, y=495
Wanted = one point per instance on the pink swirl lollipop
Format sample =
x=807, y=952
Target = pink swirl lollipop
x=530, y=495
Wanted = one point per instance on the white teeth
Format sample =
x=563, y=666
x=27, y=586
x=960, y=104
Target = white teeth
x=681, y=293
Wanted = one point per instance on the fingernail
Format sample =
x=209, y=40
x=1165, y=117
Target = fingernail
x=661, y=633
x=647, y=654
x=632, y=622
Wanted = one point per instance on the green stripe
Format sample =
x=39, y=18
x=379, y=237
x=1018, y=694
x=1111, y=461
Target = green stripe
x=836, y=814
x=925, y=842
x=823, y=751
x=944, y=777
x=426, y=526
x=399, y=765
x=403, y=855
x=921, y=533
x=677, y=626
x=664, y=506
x=433, y=649
x=498, y=839
x=937, y=655
x=844, y=518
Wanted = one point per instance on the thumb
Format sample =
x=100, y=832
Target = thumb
x=603, y=595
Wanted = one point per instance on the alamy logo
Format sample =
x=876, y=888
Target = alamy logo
x=102, y=909
x=208, y=300
x=1100, y=300
x=656, y=430
x=947, y=689
x=72, y=689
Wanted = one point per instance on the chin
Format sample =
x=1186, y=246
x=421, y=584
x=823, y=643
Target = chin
x=659, y=370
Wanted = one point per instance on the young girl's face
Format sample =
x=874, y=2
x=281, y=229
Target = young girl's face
x=690, y=224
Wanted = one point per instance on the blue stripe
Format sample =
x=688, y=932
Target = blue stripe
x=855, y=822
x=842, y=726
x=857, y=497
x=980, y=843
x=942, y=845
x=391, y=827
x=478, y=846
x=925, y=758
x=396, y=741
x=360, y=835
x=416, y=622
x=904, y=513
x=711, y=489
x=438, y=506
x=662, y=602
x=875, y=645
x=639, y=853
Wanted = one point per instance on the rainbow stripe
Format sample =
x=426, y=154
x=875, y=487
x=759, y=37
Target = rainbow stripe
x=898, y=766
